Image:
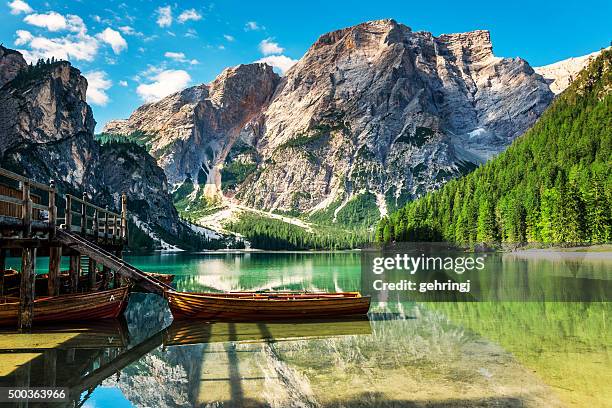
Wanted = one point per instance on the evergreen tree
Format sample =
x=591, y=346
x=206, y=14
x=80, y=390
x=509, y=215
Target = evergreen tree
x=553, y=184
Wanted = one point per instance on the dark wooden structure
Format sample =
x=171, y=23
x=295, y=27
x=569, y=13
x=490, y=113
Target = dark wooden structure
x=91, y=236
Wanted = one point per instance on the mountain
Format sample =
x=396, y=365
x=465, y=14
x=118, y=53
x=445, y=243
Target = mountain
x=191, y=132
x=562, y=73
x=47, y=133
x=553, y=185
x=371, y=117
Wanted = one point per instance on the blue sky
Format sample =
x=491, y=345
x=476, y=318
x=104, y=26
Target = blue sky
x=136, y=51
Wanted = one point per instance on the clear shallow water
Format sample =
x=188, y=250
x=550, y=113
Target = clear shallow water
x=406, y=354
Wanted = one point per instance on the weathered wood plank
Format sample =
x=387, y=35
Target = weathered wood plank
x=2, y=268
x=92, y=273
x=75, y=266
x=53, y=283
x=26, y=210
x=26, y=289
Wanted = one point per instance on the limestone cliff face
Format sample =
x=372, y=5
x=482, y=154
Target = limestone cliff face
x=379, y=109
x=374, y=112
x=190, y=132
x=11, y=62
x=562, y=73
x=46, y=132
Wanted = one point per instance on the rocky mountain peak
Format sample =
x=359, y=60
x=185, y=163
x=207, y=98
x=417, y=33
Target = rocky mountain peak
x=371, y=116
x=11, y=62
x=56, y=92
x=46, y=132
x=359, y=35
x=191, y=132
x=471, y=47
x=561, y=74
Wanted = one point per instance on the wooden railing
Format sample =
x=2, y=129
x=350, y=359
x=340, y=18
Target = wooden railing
x=24, y=207
x=22, y=210
x=90, y=220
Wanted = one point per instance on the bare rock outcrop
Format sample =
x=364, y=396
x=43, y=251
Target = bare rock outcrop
x=375, y=112
x=47, y=132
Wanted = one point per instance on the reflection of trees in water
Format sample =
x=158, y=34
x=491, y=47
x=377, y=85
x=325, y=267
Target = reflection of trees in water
x=405, y=357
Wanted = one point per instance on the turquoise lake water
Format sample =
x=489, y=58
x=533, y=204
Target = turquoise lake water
x=406, y=353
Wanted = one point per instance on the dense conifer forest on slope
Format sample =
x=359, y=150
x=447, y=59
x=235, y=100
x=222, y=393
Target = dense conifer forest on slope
x=271, y=234
x=552, y=185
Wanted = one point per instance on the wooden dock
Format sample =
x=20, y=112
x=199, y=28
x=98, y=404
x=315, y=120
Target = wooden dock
x=91, y=236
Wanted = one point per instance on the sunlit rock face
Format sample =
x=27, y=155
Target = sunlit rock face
x=11, y=62
x=390, y=111
x=562, y=73
x=375, y=108
x=191, y=132
x=47, y=133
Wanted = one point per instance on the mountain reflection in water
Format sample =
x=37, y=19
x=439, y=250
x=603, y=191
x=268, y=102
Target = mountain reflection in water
x=475, y=354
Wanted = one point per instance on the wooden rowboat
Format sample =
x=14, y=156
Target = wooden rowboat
x=65, y=308
x=267, y=305
x=185, y=331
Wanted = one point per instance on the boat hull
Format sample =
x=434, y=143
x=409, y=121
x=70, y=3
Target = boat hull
x=67, y=308
x=237, y=307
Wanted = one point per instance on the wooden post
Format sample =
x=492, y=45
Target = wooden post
x=123, y=217
x=114, y=228
x=52, y=210
x=55, y=259
x=117, y=279
x=93, y=269
x=84, y=215
x=106, y=224
x=106, y=272
x=26, y=289
x=2, y=268
x=94, y=227
x=26, y=210
x=68, y=220
x=75, y=266
x=50, y=367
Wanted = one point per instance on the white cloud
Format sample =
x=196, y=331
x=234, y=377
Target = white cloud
x=281, y=62
x=252, y=26
x=97, y=85
x=164, y=16
x=229, y=37
x=75, y=24
x=187, y=15
x=19, y=6
x=114, y=39
x=268, y=47
x=123, y=83
x=178, y=56
x=23, y=37
x=52, y=21
x=164, y=83
x=78, y=47
x=127, y=30
x=191, y=33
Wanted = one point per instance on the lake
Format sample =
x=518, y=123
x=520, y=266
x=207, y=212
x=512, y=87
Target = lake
x=537, y=353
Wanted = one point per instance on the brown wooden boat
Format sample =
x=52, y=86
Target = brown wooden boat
x=187, y=331
x=65, y=308
x=266, y=305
